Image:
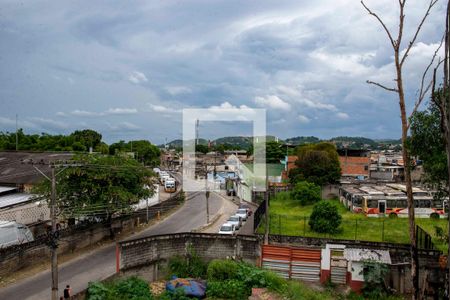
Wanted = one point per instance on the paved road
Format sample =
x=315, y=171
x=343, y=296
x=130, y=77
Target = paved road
x=100, y=264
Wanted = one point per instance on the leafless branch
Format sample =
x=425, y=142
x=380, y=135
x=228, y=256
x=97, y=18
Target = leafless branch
x=382, y=86
x=424, y=90
x=381, y=22
x=411, y=43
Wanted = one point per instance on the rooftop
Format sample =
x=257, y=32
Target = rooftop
x=16, y=166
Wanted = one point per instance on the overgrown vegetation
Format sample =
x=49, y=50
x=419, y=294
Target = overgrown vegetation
x=229, y=279
x=190, y=266
x=374, y=280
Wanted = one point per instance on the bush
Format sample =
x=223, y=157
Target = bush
x=222, y=270
x=253, y=276
x=325, y=218
x=374, y=276
x=306, y=193
x=131, y=288
x=227, y=289
x=177, y=295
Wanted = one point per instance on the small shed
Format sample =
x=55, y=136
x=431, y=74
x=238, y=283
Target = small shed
x=356, y=258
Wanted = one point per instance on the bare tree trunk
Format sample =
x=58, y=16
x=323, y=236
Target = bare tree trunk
x=400, y=58
x=406, y=163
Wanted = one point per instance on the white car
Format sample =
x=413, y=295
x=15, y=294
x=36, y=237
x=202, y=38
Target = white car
x=236, y=221
x=227, y=228
x=242, y=212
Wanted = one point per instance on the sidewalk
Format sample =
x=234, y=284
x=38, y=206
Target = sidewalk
x=228, y=208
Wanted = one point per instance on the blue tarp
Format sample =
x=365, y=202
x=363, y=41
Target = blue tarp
x=191, y=287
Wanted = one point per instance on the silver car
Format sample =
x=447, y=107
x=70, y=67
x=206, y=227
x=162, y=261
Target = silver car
x=242, y=212
x=236, y=221
x=227, y=229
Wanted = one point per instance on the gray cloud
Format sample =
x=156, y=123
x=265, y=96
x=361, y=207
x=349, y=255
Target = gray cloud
x=129, y=70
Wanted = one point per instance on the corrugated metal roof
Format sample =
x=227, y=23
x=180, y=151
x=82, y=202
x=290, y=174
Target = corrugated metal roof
x=14, y=199
x=6, y=189
x=16, y=167
x=356, y=254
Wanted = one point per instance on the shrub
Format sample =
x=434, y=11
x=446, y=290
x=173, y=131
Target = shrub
x=325, y=218
x=227, y=289
x=253, y=276
x=222, y=270
x=177, y=295
x=131, y=288
x=306, y=193
x=374, y=276
x=190, y=266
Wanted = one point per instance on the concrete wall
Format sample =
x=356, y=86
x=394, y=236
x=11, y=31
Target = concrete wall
x=330, y=191
x=147, y=256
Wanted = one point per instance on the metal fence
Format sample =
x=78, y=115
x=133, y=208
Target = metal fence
x=369, y=229
x=259, y=215
x=423, y=239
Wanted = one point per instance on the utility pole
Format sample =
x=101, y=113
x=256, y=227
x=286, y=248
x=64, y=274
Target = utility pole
x=266, y=201
x=17, y=134
x=54, y=234
x=54, y=244
x=147, y=210
x=206, y=193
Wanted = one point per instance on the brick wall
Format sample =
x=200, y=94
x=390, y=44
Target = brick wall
x=354, y=166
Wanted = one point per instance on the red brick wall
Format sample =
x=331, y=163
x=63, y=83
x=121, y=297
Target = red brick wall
x=353, y=166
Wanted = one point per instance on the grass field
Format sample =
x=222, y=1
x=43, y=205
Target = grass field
x=287, y=217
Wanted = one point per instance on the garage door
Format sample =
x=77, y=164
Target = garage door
x=292, y=263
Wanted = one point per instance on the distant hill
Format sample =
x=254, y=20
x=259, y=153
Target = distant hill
x=350, y=142
x=354, y=142
x=301, y=140
x=241, y=142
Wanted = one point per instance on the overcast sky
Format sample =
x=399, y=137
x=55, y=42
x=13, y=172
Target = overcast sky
x=128, y=68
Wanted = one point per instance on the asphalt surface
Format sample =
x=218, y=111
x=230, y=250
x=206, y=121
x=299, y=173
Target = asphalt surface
x=100, y=263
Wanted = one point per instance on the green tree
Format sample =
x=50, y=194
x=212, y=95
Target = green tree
x=325, y=217
x=88, y=137
x=100, y=186
x=428, y=143
x=274, y=152
x=146, y=152
x=316, y=163
x=306, y=193
x=201, y=148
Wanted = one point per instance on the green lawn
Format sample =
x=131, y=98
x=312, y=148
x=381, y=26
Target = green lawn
x=287, y=217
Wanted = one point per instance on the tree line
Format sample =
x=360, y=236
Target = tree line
x=79, y=141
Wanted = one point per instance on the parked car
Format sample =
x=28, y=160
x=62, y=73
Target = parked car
x=242, y=212
x=227, y=228
x=249, y=210
x=236, y=221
